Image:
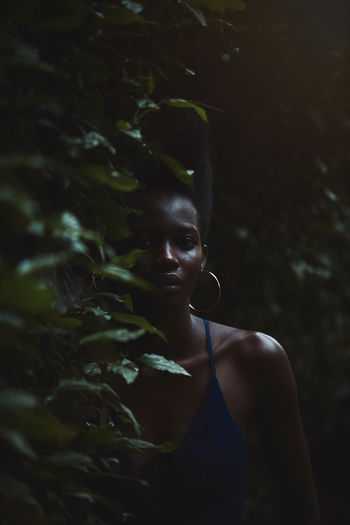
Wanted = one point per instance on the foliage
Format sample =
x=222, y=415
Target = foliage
x=77, y=79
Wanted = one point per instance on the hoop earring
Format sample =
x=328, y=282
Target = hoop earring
x=217, y=298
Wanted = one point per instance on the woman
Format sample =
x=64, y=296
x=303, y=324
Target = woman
x=235, y=376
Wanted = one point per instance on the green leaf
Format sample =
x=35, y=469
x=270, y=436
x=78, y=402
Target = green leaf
x=224, y=23
x=41, y=262
x=10, y=162
x=127, y=369
x=116, y=15
x=107, y=388
x=122, y=275
x=13, y=489
x=63, y=321
x=121, y=335
x=131, y=417
x=187, y=70
x=76, y=385
x=177, y=168
x=92, y=369
x=98, y=312
x=128, y=302
x=132, y=445
x=40, y=427
x=91, y=140
x=11, y=319
x=12, y=399
x=111, y=439
x=128, y=260
x=27, y=295
x=36, y=228
x=18, y=442
x=127, y=128
x=166, y=447
x=68, y=228
x=86, y=496
x=199, y=15
x=182, y=103
x=98, y=436
x=114, y=179
x=20, y=201
x=147, y=104
x=138, y=321
x=159, y=362
x=73, y=459
x=27, y=55
x=111, y=463
x=124, y=299
x=135, y=7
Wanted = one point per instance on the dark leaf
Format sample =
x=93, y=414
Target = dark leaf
x=121, y=16
x=159, y=362
x=181, y=103
x=199, y=15
x=179, y=171
x=15, y=399
x=122, y=275
x=73, y=459
x=128, y=129
x=114, y=179
x=18, y=442
x=138, y=321
x=27, y=295
x=41, y=262
x=127, y=369
x=135, y=7
x=121, y=335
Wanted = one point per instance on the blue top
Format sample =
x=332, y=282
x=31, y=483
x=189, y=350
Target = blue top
x=203, y=481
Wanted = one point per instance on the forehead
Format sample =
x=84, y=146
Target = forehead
x=161, y=209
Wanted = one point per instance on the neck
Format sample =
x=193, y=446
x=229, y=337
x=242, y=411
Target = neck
x=181, y=330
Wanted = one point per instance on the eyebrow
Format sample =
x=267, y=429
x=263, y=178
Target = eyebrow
x=189, y=228
x=183, y=228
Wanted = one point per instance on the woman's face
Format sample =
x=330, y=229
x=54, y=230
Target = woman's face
x=168, y=232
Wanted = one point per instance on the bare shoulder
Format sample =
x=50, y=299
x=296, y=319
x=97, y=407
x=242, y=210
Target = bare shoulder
x=262, y=357
x=248, y=344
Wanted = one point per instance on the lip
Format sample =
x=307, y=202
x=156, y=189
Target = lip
x=167, y=281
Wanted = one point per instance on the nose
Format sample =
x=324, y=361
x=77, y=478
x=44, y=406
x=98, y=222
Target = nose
x=166, y=255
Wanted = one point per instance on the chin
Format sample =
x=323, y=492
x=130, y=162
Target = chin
x=163, y=302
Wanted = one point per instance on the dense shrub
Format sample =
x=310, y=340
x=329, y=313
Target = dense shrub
x=77, y=79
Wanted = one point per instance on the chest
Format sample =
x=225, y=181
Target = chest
x=165, y=405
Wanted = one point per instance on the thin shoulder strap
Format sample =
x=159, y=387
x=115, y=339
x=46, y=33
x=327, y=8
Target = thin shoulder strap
x=210, y=348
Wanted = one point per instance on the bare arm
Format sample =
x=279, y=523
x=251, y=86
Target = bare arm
x=282, y=433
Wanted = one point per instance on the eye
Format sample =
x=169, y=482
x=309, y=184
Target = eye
x=187, y=242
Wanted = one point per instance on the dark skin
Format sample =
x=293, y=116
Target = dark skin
x=253, y=370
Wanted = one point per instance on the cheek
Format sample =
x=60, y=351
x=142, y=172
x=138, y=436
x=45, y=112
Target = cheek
x=194, y=267
x=143, y=265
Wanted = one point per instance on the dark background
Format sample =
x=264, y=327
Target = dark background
x=280, y=236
